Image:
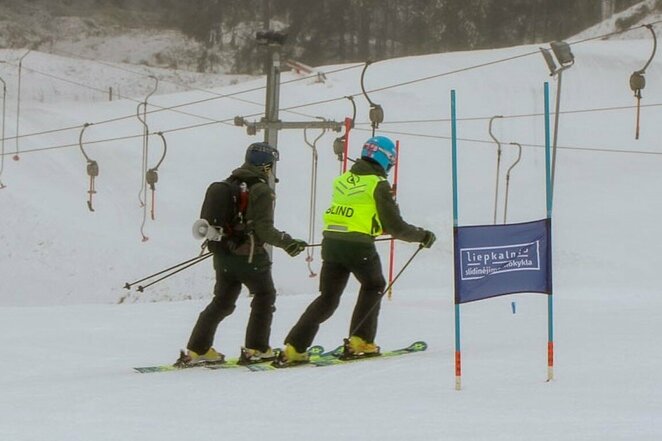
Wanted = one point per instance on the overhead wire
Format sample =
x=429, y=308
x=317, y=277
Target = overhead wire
x=190, y=103
x=219, y=96
x=391, y=132
x=186, y=87
x=159, y=108
x=514, y=116
x=476, y=66
x=485, y=141
x=227, y=121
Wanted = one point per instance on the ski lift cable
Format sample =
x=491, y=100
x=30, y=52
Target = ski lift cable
x=199, y=89
x=229, y=123
x=187, y=87
x=335, y=71
x=483, y=141
x=514, y=116
x=417, y=80
x=364, y=92
x=111, y=120
x=171, y=108
x=468, y=68
x=121, y=138
x=401, y=133
x=325, y=101
x=159, y=109
x=611, y=34
x=358, y=127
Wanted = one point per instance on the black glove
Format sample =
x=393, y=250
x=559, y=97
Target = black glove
x=428, y=239
x=295, y=247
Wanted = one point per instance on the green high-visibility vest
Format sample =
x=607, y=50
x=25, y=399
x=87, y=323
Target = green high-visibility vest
x=353, y=208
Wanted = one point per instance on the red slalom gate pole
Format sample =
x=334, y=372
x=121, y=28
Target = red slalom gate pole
x=391, y=262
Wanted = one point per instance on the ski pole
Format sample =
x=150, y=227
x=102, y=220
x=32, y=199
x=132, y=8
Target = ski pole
x=385, y=290
x=128, y=285
x=141, y=288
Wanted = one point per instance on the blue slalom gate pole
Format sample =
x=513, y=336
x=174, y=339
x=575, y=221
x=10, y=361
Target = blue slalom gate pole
x=458, y=353
x=550, y=196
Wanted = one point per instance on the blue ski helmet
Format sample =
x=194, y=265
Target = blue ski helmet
x=261, y=154
x=381, y=150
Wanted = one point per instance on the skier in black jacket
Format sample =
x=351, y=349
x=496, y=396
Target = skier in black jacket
x=247, y=263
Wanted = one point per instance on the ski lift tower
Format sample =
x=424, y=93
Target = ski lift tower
x=274, y=41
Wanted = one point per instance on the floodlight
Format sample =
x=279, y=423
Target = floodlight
x=563, y=55
x=562, y=52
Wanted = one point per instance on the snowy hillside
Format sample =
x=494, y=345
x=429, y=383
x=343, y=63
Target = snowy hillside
x=49, y=78
x=94, y=30
x=48, y=187
x=70, y=264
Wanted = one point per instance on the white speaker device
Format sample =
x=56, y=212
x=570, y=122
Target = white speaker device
x=202, y=230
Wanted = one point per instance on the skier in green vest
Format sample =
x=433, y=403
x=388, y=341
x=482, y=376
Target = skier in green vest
x=362, y=208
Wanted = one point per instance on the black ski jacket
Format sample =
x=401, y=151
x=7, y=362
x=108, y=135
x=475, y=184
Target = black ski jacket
x=260, y=211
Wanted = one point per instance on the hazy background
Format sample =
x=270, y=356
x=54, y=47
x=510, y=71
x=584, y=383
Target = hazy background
x=218, y=35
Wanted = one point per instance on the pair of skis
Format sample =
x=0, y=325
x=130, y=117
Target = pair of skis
x=318, y=358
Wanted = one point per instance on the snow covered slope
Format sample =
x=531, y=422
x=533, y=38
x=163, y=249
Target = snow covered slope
x=47, y=78
x=58, y=251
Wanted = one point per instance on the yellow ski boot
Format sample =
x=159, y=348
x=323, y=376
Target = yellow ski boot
x=252, y=356
x=289, y=356
x=356, y=347
x=192, y=358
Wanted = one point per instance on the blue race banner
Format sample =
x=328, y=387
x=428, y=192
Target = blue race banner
x=494, y=260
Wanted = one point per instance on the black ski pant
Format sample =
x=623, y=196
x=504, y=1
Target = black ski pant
x=231, y=272
x=340, y=259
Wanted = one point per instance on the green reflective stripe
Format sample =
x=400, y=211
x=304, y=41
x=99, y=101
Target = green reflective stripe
x=337, y=228
x=353, y=207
